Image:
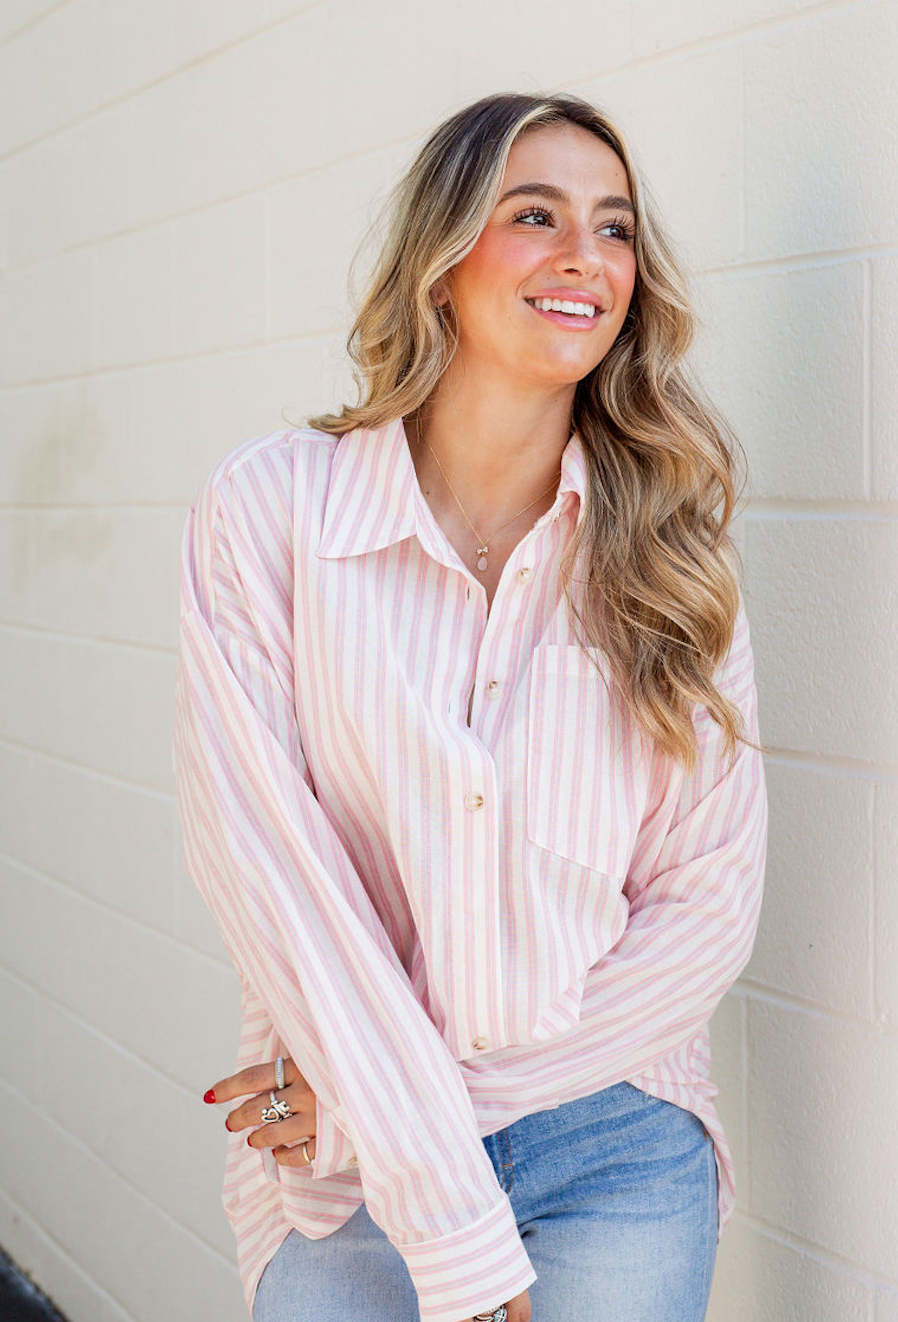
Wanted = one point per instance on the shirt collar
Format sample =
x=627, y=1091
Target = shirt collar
x=373, y=497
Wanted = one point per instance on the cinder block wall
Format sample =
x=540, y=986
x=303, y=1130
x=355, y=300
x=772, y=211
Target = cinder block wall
x=182, y=187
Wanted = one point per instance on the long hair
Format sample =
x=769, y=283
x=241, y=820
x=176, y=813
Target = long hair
x=657, y=571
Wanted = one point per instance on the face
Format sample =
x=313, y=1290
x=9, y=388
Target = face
x=568, y=235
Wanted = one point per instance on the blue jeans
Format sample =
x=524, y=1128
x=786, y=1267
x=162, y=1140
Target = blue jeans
x=615, y=1196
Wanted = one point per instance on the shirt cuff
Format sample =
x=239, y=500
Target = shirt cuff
x=474, y=1269
x=334, y=1151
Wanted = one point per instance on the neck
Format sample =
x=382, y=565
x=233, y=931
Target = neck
x=498, y=451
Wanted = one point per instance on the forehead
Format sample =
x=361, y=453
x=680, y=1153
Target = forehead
x=568, y=155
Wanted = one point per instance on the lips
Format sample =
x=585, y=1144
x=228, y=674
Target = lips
x=569, y=296
x=566, y=308
x=573, y=321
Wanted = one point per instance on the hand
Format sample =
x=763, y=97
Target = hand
x=260, y=1081
x=518, y=1309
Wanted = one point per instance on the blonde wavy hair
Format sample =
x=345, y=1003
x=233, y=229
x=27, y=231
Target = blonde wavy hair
x=660, y=573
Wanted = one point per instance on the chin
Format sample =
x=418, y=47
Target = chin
x=565, y=374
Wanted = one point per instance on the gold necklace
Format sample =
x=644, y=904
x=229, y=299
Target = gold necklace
x=483, y=548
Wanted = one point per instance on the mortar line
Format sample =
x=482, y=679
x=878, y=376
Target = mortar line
x=94, y=507
x=866, y=511
x=115, y=1043
x=832, y=764
x=782, y=1000
x=90, y=640
x=182, y=946
x=867, y=370
x=812, y=260
x=878, y=1014
x=37, y=1228
x=94, y=773
x=117, y=1175
x=100, y=1034
x=819, y=1252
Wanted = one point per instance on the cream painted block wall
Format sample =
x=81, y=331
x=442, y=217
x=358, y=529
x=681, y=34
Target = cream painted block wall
x=182, y=186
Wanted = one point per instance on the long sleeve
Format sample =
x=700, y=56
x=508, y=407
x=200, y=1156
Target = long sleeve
x=302, y=931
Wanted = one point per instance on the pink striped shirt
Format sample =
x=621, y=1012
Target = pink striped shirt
x=448, y=925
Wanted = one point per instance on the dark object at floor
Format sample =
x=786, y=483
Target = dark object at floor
x=20, y=1300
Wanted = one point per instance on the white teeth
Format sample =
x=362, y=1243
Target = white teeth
x=564, y=305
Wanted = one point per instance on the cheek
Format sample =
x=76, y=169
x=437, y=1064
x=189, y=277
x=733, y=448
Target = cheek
x=625, y=270
x=491, y=263
x=624, y=281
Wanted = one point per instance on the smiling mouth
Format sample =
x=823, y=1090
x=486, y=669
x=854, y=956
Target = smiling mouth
x=573, y=312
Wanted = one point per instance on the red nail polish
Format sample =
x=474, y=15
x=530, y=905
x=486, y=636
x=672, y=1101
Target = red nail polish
x=248, y=1144
x=209, y=1096
x=228, y=1127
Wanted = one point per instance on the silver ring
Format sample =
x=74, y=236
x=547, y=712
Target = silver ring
x=279, y=1074
x=497, y=1315
x=278, y=1110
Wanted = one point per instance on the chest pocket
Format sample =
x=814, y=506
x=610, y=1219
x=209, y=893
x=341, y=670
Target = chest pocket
x=587, y=769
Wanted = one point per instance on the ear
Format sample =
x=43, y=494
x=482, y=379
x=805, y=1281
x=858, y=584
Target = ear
x=439, y=294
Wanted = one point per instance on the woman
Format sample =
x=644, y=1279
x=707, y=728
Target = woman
x=467, y=762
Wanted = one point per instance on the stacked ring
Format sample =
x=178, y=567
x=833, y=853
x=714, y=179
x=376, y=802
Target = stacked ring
x=279, y=1074
x=497, y=1315
x=277, y=1111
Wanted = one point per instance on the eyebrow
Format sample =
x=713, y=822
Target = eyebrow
x=555, y=194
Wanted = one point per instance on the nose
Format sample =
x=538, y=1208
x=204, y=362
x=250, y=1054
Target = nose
x=579, y=251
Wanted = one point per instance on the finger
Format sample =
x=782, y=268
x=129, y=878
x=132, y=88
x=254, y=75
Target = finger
x=519, y=1308
x=292, y=1156
x=299, y=1097
x=290, y=1130
x=254, y=1079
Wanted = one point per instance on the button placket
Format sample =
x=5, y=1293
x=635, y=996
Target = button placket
x=493, y=651
x=474, y=991
x=495, y=669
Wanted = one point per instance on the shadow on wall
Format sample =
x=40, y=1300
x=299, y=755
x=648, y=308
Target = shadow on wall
x=20, y=1300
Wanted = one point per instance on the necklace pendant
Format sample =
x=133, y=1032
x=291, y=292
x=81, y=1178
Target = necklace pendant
x=481, y=563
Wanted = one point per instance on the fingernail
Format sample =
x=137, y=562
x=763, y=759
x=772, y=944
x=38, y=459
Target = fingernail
x=209, y=1096
x=248, y=1143
x=228, y=1127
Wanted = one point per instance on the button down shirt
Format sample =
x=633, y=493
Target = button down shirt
x=458, y=884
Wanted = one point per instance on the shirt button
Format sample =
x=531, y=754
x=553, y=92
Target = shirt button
x=493, y=688
x=473, y=802
x=480, y=1043
x=524, y=574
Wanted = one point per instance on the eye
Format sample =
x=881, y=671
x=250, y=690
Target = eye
x=626, y=230
x=534, y=211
